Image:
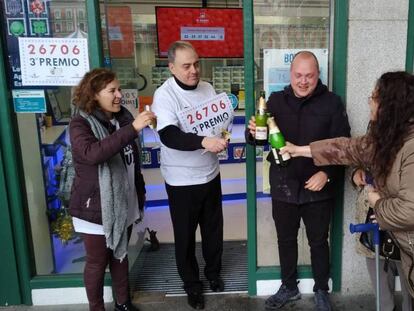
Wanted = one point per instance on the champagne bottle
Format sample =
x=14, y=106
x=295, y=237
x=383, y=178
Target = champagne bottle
x=277, y=141
x=153, y=124
x=261, y=121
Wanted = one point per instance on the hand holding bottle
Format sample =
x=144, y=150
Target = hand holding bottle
x=252, y=126
x=277, y=141
x=214, y=144
x=143, y=119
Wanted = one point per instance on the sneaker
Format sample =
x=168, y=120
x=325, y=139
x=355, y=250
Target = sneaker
x=283, y=296
x=322, y=301
x=128, y=306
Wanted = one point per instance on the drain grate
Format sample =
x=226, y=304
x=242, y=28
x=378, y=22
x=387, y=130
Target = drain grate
x=156, y=271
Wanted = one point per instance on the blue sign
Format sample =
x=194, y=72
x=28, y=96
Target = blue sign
x=233, y=99
x=29, y=101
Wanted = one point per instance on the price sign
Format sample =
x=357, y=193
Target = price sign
x=208, y=118
x=53, y=61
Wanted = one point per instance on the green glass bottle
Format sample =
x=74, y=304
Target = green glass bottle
x=277, y=141
x=261, y=121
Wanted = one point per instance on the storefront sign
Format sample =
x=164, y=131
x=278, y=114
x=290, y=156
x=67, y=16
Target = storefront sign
x=29, y=101
x=208, y=118
x=276, y=67
x=53, y=61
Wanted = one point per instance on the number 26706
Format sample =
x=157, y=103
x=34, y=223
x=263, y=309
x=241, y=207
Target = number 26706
x=205, y=111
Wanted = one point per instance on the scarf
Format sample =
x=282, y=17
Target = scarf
x=113, y=191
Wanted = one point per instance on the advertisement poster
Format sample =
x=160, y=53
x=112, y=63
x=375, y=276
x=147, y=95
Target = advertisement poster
x=120, y=32
x=29, y=101
x=208, y=118
x=276, y=67
x=213, y=32
x=53, y=61
x=23, y=18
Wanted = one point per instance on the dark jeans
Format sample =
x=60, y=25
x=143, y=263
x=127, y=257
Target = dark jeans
x=316, y=217
x=98, y=256
x=191, y=206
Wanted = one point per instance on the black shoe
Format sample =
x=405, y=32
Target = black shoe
x=128, y=306
x=283, y=296
x=196, y=300
x=217, y=285
x=322, y=302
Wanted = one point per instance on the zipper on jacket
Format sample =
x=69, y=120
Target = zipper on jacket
x=88, y=202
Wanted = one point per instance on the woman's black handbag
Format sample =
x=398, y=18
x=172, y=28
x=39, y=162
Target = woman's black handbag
x=388, y=249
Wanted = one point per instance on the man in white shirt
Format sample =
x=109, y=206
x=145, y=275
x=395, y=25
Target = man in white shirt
x=190, y=167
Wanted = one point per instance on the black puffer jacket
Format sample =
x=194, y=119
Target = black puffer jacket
x=302, y=121
x=88, y=152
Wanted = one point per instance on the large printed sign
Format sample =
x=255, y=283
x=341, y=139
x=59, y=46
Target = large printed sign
x=53, y=61
x=276, y=67
x=208, y=118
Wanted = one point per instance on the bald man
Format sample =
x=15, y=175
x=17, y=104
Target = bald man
x=304, y=111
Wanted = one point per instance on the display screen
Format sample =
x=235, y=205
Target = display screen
x=213, y=32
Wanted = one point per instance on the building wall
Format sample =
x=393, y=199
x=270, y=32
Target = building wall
x=377, y=41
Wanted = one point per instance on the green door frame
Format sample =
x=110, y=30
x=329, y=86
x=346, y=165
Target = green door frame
x=12, y=181
x=9, y=278
x=256, y=273
x=20, y=282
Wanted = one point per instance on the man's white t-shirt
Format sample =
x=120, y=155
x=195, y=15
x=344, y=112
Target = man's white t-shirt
x=84, y=226
x=183, y=168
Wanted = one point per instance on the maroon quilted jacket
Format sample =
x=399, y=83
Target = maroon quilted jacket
x=88, y=152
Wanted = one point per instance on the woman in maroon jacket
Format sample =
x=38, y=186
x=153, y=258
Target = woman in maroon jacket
x=108, y=188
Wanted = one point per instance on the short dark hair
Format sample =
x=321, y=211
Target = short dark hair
x=91, y=84
x=178, y=45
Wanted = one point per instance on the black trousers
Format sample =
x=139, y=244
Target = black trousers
x=316, y=217
x=191, y=206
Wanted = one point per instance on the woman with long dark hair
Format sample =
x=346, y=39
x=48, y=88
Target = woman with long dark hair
x=387, y=151
x=108, y=187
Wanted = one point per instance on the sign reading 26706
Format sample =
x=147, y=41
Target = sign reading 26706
x=53, y=61
x=208, y=118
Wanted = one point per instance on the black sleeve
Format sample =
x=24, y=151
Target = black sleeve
x=172, y=137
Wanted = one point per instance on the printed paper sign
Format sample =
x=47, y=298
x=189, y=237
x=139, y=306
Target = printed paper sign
x=130, y=100
x=53, y=61
x=208, y=118
x=29, y=101
x=276, y=67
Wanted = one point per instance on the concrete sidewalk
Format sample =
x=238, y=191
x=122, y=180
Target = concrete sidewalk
x=224, y=302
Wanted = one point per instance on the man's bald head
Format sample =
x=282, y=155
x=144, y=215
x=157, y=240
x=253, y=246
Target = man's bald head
x=304, y=73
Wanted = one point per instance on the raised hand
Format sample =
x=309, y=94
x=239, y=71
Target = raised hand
x=143, y=119
x=252, y=126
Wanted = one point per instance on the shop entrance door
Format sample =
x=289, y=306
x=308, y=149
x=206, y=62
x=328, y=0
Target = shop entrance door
x=134, y=49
